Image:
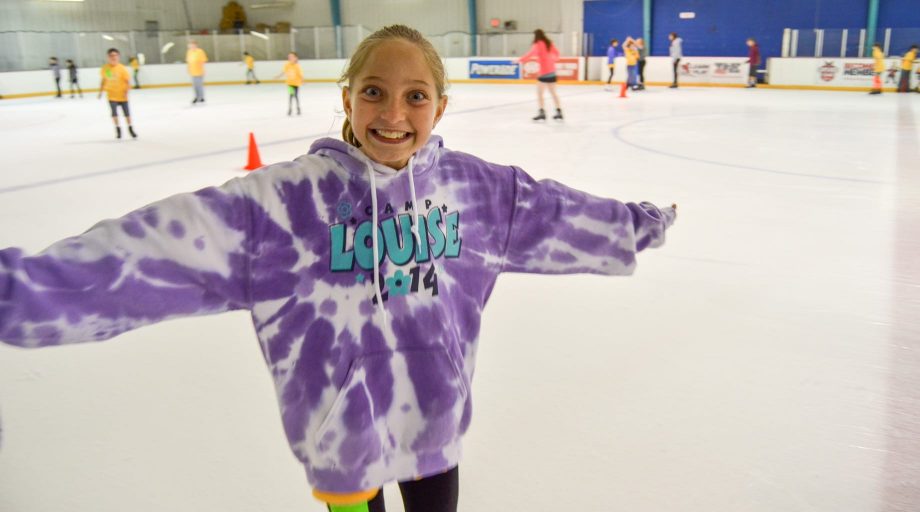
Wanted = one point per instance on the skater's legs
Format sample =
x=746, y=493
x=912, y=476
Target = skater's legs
x=552, y=91
x=113, y=106
x=198, y=83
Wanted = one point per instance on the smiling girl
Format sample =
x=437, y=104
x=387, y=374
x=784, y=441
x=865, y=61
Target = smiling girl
x=365, y=288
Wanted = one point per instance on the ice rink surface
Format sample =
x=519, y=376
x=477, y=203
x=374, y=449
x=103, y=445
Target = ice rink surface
x=766, y=359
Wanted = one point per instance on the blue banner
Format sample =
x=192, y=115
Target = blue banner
x=508, y=69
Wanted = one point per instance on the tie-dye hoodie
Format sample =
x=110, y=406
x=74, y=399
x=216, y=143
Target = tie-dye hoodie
x=367, y=394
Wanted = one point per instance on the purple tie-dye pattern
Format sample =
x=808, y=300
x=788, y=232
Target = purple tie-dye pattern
x=364, y=399
x=176, y=229
x=151, y=218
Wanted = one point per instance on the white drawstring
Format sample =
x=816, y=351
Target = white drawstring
x=415, y=215
x=418, y=238
x=374, y=220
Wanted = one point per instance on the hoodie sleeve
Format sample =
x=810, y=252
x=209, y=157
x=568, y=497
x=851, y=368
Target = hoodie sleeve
x=185, y=255
x=558, y=230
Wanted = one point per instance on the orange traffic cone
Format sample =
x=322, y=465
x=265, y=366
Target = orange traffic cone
x=254, y=161
x=623, y=90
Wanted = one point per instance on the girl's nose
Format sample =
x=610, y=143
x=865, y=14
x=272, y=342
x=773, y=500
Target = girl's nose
x=393, y=111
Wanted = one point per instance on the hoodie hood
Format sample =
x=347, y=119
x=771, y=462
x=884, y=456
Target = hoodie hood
x=354, y=160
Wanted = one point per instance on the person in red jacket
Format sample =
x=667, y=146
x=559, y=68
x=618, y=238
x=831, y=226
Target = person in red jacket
x=754, y=60
x=546, y=54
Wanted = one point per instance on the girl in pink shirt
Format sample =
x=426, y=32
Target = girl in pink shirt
x=546, y=54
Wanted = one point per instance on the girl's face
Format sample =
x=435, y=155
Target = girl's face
x=393, y=103
x=292, y=58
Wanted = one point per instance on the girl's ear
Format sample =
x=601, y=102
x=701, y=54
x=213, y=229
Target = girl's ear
x=439, y=113
x=346, y=101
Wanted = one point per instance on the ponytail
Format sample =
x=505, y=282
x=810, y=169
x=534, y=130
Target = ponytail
x=348, y=135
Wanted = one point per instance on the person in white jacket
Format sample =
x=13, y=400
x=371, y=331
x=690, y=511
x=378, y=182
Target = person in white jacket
x=676, y=51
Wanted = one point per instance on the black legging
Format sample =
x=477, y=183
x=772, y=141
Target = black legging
x=642, y=71
x=609, y=78
x=676, y=63
x=293, y=95
x=75, y=83
x=438, y=493
x=904, y=86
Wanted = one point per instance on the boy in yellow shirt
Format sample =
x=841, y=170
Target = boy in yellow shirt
x=878, y=68
x=632, y=63
x=250, y=68
x=195, y=57
x=907, y=64
x=115, y=82
x=294, y=79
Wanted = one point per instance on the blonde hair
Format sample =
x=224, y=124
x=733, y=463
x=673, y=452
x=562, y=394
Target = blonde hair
x=362, y=53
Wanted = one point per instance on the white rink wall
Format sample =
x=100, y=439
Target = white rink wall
x=32, y=82
x=708, y=70
x=697, y=70
x=37, y=82
x=830, y=72
x=786, y=72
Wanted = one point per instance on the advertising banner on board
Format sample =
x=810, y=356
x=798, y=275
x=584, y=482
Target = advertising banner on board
x=854, y=72
x=723, y=70
x=567, y=68
x=492, y=69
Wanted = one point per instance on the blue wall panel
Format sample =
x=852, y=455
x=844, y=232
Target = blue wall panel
x=721, y=26
x=612, y=19
x=898, y=13
x=903, y=17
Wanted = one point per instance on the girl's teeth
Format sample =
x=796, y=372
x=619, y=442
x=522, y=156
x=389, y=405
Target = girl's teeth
x=391, y=135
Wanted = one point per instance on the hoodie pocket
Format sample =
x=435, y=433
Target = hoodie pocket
x=409, y=400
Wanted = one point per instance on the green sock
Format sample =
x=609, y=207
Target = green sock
x=359, y=507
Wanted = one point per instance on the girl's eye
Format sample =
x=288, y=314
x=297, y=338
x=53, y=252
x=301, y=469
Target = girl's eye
x=418, y=96
x=372, y=92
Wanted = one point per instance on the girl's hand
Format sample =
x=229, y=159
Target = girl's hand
x=674, y=205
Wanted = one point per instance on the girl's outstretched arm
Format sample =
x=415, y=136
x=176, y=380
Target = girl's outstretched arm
x=185, y=255
x=559, y=230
